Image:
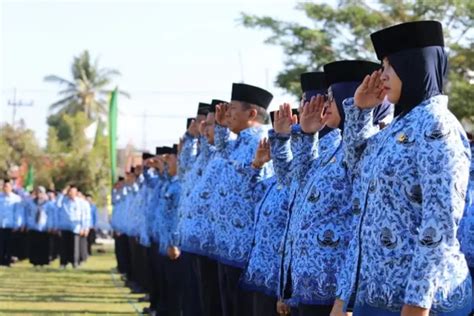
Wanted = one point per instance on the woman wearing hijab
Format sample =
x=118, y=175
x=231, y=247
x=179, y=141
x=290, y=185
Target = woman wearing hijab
x=39, y=220
x=410, y=183
x=320, y=225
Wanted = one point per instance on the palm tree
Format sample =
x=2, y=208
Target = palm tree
x=87, y=91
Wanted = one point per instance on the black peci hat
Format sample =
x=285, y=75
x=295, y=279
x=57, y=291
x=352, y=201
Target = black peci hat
x=159, y=151
x=215, y=102
x=348, y=71
x=189, y=121
x=146, y=156
x=272, y=114
x=272, y=117
x=203, y=108
x=167, y=150
x=251, y=94
x=311, y=81
x=407, y=36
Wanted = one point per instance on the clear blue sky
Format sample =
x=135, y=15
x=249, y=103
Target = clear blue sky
x=171, y=53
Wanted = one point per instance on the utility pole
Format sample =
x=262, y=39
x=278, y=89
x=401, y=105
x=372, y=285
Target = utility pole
x=16, y=104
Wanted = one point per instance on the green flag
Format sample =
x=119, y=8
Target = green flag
x=113, y=135
x=30, y=178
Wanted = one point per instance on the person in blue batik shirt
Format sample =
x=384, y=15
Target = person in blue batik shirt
x=86, y=223
x=54, y=232
x=168, y=237
x=122, y=252
x=410, y=182
x=11, y=210
x=40, y=215
x=261, y=274
x=71, y=215
x=138, y=231
x=320, y=224
x=236, y=193
x=189, y=142
x=94, y=221
x=466, y=228
x=158, y=180
x=194, y=222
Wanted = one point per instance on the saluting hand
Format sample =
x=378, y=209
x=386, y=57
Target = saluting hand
x=311, y=116
x=202, y=128
x=65, y=190
x=262, y=156
x=160, y=164
x=283, y=119
x=370, y=93
x=221, y=111
x=193, y=129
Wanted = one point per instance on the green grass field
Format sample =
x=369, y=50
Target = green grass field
x=92, y=289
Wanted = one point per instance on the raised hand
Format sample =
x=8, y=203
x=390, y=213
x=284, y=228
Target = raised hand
x=193, y=129
x=221, y=110
x=311, y=118
x=202, y=128
x=262, y=156
x=283, y=119
x=159, y=164
x=370, y=93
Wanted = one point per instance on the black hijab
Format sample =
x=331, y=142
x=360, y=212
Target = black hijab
x=422, y=72
x=416, y=52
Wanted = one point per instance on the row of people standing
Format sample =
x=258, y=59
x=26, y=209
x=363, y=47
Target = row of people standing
x=336, y=209
x=38, y=225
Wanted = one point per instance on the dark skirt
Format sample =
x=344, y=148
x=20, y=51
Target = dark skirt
x=5, y=246
x=19, y=245
x=83, y=251
x=69, y=248
x=39, y=247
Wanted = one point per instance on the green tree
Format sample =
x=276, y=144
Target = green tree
x=17, y=144
x=87, y=91
x=78, y=160
x=74, y=158
x=342, y=32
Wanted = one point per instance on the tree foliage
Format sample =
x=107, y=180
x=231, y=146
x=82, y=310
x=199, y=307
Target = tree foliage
x=17, y=145
x=343, y=32
x=87, y=91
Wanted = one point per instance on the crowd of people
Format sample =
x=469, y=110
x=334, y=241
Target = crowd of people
x=43, y=225
x=357, y=201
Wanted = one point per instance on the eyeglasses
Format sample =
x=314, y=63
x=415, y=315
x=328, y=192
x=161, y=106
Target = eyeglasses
x=329, y=97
